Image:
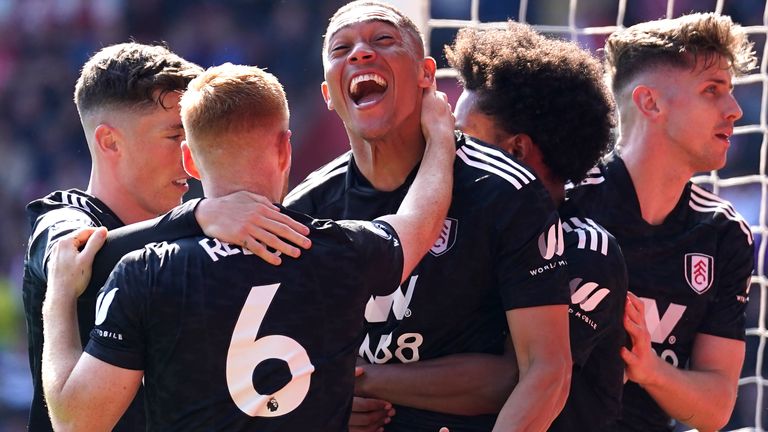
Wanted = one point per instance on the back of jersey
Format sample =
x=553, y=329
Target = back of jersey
x=228, y=342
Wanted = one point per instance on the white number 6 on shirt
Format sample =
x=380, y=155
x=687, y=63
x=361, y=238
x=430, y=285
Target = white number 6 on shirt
x=246, y=352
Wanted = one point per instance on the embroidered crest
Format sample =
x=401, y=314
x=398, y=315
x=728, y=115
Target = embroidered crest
x=699, y=271
x=447, y=237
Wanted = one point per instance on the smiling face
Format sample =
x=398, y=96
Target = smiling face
x=374, y=72
x=698, y=113
x=150, y=166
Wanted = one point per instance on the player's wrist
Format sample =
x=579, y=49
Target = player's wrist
x=654, y=376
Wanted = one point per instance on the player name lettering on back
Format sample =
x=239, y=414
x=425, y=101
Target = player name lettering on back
x=218, y=249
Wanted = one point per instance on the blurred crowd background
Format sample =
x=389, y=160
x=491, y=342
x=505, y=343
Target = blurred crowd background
x=43, y=44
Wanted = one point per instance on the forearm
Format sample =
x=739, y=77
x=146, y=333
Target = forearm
x=538, y=397
x=688, y=395
x=461, y=384
x=420, y=216
x=61, y=352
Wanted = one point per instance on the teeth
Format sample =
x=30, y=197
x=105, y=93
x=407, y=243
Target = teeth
x=366, y=77
x=180, y=182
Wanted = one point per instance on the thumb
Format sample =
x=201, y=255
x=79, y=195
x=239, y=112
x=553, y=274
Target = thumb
x=94, y=243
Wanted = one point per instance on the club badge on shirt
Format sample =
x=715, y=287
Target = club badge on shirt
x=447, y=237
x=699, y=271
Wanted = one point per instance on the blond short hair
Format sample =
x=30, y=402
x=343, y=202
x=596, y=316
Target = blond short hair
x=680, y=43
x=229, y=100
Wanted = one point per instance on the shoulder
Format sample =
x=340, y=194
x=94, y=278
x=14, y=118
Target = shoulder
x=62, y=210
x=713, y=210
x=586, y=234
x=481, y=161
x=321, y=182
x=487, y=177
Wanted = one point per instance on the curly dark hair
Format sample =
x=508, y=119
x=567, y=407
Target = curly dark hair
x=679, y=43
x=127, y=75
x=548, y=89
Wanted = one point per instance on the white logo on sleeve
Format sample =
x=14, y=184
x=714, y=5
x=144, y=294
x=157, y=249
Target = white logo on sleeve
x=587, y=295
x=377, y=229
x=103, y=302
x=551, y=241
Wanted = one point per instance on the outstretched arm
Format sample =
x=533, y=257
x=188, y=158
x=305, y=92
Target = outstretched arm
x=685, y=395
x=420, y=217
x=241, y=218
x=72, y=380
x=462, y=384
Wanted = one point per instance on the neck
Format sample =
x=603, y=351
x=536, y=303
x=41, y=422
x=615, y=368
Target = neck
x=214, y=189
x=557, y=192
x=119, y=201
x=658, y=177
x=386, y=162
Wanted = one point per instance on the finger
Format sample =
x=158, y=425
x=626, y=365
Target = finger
x=286, y=228
x=261, y=251
x=267, y=239
x=370, y=420
x=627, y=356
x=294, y=225
x=94, y=243
x=359, y=371
x=81, y=236
x=260, y=199
x=362, y=404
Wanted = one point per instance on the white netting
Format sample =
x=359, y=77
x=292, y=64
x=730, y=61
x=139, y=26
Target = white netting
x=743, y=181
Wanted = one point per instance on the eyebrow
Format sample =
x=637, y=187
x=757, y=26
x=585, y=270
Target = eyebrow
x=175, y=126
x=720, y=81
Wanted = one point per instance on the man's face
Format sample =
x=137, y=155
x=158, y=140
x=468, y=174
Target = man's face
x=700, y=112
x=472, y=122
x=150, y=165
x=373, y=76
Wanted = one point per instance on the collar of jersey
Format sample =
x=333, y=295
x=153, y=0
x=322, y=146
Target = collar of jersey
x=357, y=181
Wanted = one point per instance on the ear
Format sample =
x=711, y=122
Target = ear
x=326, y=95
x=647, y=101
x=284, y=151
x=428, y=68
x=187, y=161
x=520, y=145
x=106, y=139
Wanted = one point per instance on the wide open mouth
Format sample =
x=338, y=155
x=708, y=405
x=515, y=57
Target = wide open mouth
x=367, y=88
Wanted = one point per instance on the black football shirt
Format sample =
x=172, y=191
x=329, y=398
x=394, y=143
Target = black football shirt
x=228, y=342
x=51, y=218
x=691, y=272
x=500, y=248
x=598, y=282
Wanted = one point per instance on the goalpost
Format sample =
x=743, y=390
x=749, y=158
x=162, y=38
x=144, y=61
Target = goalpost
x=743, y=187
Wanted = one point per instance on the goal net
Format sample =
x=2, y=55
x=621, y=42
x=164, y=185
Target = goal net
x=743, y=181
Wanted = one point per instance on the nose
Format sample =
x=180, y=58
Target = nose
x=733, y=111
x=361, y=53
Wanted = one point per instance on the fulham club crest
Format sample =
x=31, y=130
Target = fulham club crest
x=699, y=271
x=447, y=237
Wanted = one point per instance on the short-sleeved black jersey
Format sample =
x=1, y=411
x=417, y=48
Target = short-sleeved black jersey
x=228, y=342
x=51, y=218
x=691, y=272
x=598, y=282
x=500, y=249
